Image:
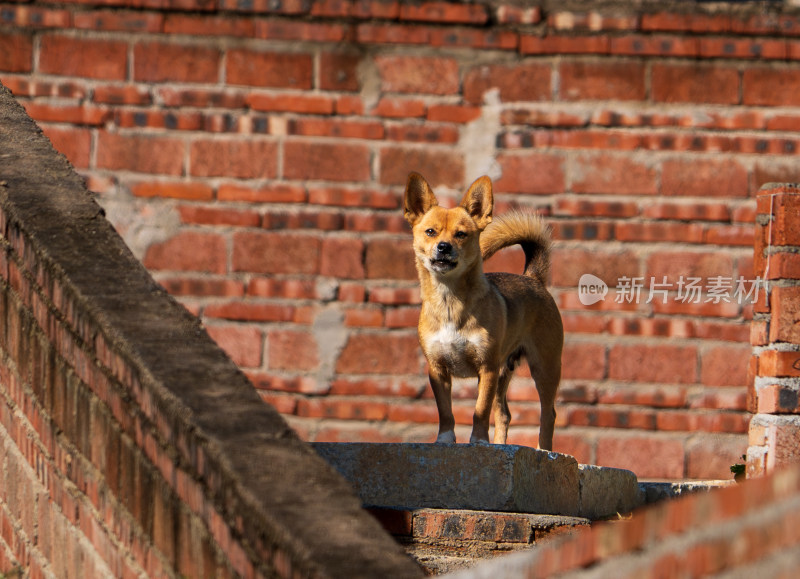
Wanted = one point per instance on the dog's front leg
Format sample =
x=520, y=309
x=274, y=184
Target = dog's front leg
x=442, y=387
x=487, y=388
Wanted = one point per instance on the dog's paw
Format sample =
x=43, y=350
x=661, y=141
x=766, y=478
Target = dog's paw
x=479, y=441
x=446, y=438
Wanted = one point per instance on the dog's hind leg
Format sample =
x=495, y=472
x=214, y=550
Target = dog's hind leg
x=502, y=415
x=547, y=380
x=442, y=387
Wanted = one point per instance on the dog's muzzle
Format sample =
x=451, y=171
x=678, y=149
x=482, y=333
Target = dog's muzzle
x=443, y=259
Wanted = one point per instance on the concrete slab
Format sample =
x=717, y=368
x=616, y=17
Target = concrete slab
x=608, y=491
x=481, y=477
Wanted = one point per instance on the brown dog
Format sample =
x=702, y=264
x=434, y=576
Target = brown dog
x=476, y=324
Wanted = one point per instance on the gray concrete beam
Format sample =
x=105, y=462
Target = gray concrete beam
x=506, y=478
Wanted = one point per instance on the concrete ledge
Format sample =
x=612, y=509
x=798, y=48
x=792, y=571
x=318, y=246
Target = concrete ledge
x=480, y=477
x=608, y=491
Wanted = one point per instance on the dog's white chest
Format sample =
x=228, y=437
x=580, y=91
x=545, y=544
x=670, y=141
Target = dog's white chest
x=456, y=348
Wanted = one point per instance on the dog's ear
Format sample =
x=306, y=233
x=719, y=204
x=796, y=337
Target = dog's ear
x=478, y=202
x=419, y=198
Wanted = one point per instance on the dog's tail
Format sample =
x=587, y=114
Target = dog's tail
x=527, y=230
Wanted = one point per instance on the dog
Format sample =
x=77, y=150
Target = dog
x=481, y=325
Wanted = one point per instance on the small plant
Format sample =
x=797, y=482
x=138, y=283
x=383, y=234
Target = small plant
x=739, y=470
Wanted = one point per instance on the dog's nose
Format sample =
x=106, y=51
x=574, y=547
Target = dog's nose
x=444, y=247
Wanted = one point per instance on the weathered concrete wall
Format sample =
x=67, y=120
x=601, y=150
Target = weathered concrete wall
x=130, y=444
x=253, y=154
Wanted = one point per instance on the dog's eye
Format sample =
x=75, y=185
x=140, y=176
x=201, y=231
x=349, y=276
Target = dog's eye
x=461, y=234
x=430, y=232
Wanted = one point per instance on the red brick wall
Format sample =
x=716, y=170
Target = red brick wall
x=775, y=365
x=253, y=155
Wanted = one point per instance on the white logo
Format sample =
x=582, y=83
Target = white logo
x=591, y=289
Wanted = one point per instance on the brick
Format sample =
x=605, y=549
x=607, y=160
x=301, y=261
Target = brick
x=393, y=354
x=779, y=363
x=418, y=74
x=303, y=289
x=119, y=21
x=342, y=409
x=326, y=161
x=189, y=251
x=677, y=265
x=325, y=221
x=297, y=103
x=174, y=189
x=394, y=296
x=352, y=197
x=427, y=133
x=569, y=264
x=173, y=96
x=588, y=361
x=390, y=259
x=528, y=82
x=724, y=365
x=399, y=108
x=402, y=318
x=73, y=143
x=275, y=193
x=444, y=12
x=579, y=207
x=611, y=174
x=660, y=232
x=269, y=69
x=141, y=153
x=364, y=317
x=272, y=29
x=342, y=258
x=704, y=178
x=243, y=344
x=250, y=311
x=602, y=81
x=700, y=211
x=165, y=62
x=785, y=323
x=201, y=287
x=338, y=128
x=531, y=173
x=207, y=25
x=244, y=159
x=266, y=252
x=647, y=457
x=292, y=350
x=785, y=229
x=453, y=114
x=695, y=84
x=486, y=39
x=438, y=167
x=339, y=71
x=87, y=58
x=654, y=45
x=16, y=52
x=662, y=363
x=122, y=95
x=370, y=33
x=558, y=44
x=771, y=86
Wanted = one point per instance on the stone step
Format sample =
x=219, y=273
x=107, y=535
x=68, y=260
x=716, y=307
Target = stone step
x=481, y=477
